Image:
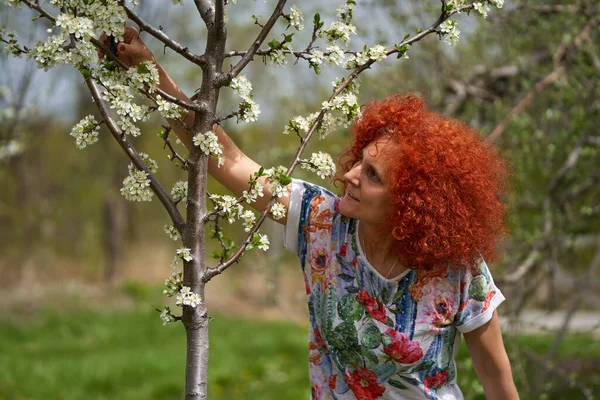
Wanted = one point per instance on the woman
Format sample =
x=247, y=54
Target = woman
x=394, y=269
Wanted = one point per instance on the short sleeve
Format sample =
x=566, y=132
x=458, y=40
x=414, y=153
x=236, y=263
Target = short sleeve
x=479, y=297
x=310, y=206
x=293, y=216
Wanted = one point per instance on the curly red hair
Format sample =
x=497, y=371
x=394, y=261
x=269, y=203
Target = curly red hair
x=446, y=183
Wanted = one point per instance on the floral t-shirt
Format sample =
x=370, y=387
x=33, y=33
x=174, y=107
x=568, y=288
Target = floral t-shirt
x=372, y=337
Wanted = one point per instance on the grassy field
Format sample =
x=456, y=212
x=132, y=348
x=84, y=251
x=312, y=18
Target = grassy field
x=129, y=355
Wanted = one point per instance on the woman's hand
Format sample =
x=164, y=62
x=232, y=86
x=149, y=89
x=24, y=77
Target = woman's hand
x=132, y=50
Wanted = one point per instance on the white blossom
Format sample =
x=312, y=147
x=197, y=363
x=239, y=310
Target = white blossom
x=451, y=32
x=136, y=186
x=184, y=253
x=128, y=127
x=263, y=242
x=175, y=262
x=345, y=11
x=144, y=75
x=334, y=55
x=209, y=144
x=242, y=86
x=337, y=31
x=321, y=163
x=85, y=132
x=248, y=219
x=481, y=8
x=171, y=231
x=80, y=27
x=277, y=57
x=278, y=190
x=316, y=56
x=150, y=163
x=173, y=284
x=278, y=211
x=249, y=110
x=179, y=191
x=455, y=5
x=357, y=60
x=166, y=316
x=228, y=207
x=255, y=192
x=497, y=3
x=296, y=18
x=167, y=109
x=378, y=52
x=297, y=124
x=188, y=298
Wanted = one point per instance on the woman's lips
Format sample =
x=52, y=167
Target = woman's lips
x=352, y=196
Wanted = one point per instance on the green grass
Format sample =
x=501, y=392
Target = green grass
x=129, y=355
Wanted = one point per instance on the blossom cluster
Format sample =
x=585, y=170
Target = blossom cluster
x=136, y=186
x=86, y=132
x=173, y=284
x=209, y=144
x=451, y=32
x=166, y=316
x=278, y=180
x=182, y=253
x=296, y=18
x=259, y=240
x=179, y=191
x=248, y=108
x=188, y=298
x=256, y=190
x=278, y=211
x=228, y=207
x=321, y=163
x=172, y=232
x=76, y=24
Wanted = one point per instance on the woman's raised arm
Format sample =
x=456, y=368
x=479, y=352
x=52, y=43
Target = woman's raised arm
x=237, y=168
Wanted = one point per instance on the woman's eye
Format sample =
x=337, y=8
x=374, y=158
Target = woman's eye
x=372, y=174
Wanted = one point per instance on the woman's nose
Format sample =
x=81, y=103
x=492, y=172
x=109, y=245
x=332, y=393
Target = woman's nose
x=353, y=176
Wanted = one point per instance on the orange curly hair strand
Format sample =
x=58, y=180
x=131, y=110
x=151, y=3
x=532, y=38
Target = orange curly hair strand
x=446, y=183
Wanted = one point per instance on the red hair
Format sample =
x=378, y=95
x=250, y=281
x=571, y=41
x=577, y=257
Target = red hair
x=446, y=183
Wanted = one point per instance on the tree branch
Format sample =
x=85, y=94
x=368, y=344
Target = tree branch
x=164, y=198
x=201, y=61
x=277, y=12
x=206, y=9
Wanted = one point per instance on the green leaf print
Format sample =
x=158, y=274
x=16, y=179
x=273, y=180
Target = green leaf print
x=344, y=336
x=478, y=288
x=423, y=366
x=385, y=295
x=371, y=360
x=348, y=358
x=397, y=296
x=397, y=384
x=349, y=309
x=389, y=322
x=370, y=336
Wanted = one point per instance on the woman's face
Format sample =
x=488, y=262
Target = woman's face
x=367, y=198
